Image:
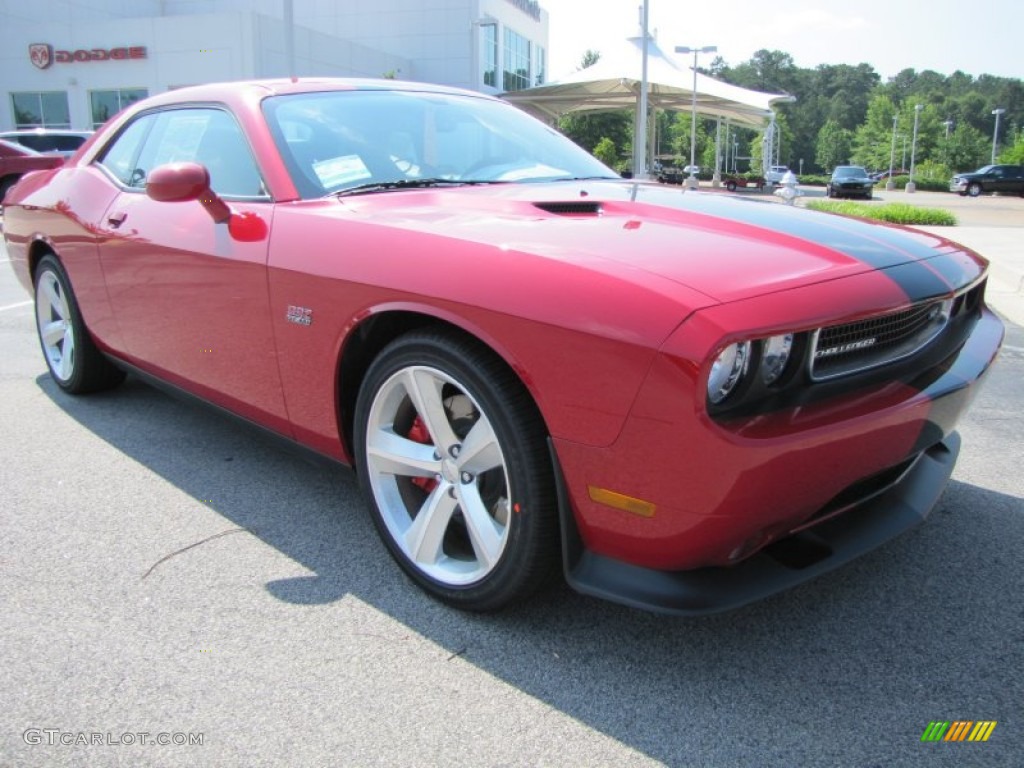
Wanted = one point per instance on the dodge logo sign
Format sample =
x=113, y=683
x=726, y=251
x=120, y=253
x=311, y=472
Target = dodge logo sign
x=41, y=54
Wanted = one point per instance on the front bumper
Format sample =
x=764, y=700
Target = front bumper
x=958, y=185
x=780, y=566
x=745, y=514
x=853, y=189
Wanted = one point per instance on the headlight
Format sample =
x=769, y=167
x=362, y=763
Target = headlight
x=774, y=356
x=728, y=370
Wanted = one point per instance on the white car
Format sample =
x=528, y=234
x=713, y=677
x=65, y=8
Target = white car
x=776, y=173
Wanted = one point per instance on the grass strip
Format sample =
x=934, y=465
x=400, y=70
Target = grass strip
x=895, y=213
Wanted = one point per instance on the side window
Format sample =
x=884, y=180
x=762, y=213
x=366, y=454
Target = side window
x=210, y=137
x=120, y=158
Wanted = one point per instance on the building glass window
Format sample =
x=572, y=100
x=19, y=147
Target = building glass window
x=106, y=104
x=517, y=61
x=46, y=109
x=489, y=53
x=540, y=67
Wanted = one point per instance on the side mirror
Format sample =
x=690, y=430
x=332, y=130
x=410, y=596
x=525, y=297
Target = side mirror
x=184, y=182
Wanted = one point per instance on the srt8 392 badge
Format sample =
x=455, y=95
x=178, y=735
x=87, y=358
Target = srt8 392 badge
x=299, y=315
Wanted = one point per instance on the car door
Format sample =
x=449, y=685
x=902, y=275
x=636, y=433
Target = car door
x=191, y=302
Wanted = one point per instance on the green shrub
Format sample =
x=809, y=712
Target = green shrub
x=896, y=213
x=814, y=180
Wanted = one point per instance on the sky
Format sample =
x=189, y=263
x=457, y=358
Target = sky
x=975, y=36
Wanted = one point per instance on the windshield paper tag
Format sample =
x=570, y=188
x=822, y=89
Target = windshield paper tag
x=339, y=171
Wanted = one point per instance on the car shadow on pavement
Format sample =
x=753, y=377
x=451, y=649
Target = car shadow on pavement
x=928, y=627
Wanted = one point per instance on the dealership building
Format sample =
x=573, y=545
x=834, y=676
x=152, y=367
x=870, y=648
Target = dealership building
x=75, y=63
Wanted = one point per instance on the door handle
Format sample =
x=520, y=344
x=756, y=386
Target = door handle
x=117, y=219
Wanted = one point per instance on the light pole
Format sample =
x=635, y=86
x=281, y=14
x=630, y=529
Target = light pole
x=995, y=132
x=890, y=185
x=911, y=186
x=640, y=123
x=691, y=181
x=948, y=124
x=735, y=152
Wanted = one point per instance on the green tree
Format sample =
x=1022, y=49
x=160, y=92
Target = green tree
x=587, y=130
x=605, y=152
x=872, y=139
x=590, y=58
x=833, y=147
x=1015, y=153
x=965, y=150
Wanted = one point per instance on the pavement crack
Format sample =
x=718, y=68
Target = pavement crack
x=193, y=546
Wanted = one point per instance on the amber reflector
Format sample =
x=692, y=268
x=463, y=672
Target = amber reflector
x=621, y=501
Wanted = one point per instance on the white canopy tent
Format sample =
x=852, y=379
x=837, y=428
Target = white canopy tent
x=614, y=82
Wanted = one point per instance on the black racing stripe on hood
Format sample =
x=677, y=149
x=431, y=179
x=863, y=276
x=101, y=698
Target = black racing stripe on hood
x=956, y=272
x=876, y=246
x=917, y=268
x=917, y=281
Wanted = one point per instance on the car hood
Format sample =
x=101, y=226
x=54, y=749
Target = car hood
x=721, y=245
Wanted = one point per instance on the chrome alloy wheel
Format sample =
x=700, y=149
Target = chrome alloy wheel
x=438, y=475
x=55, y=324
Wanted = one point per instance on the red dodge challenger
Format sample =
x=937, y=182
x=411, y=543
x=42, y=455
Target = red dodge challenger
x=686, y=400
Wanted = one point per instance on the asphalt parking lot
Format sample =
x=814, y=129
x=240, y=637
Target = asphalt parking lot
x=166, y=571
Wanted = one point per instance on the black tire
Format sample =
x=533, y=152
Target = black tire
x=867, y=196
x=974, y=189
x=731, y=186
x=508, y=547
x=74, y=361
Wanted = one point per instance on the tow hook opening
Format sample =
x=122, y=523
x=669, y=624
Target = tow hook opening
x=799, y=551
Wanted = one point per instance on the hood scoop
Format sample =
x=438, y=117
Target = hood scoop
x=571, y=208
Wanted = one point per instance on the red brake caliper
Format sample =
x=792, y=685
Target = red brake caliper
x=418, y=433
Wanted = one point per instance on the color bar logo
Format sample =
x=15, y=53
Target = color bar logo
x=958, y=730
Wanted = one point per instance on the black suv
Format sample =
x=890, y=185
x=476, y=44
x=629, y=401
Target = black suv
x=992, y=178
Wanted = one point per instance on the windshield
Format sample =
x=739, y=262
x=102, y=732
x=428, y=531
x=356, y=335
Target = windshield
x=849, y=171
x=335, y=141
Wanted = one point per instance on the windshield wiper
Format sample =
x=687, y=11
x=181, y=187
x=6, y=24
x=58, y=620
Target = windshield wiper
x=386, y=186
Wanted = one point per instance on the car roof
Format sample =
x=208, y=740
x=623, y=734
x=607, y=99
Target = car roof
x=260, y=89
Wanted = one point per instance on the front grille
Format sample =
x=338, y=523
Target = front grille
x=838, y=350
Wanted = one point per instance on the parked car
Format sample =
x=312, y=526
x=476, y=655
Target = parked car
x=668, y=174
x=45, y=140
x=1008, y=179
x=776, y=174
x=16, y=161
x=735, y=180
x=849, y=181
x=682, y=402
